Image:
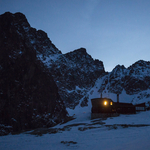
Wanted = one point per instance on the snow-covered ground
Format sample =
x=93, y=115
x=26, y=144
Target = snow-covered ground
x=126, y=132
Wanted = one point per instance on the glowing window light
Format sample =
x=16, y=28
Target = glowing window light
x=105, y=103
x=111, y=103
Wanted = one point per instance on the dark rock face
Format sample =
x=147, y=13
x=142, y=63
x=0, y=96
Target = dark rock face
x=137, y=77
x=75, y=73
x=37, y=81
x=133, y=79
x=16, y=29
x=28, y=94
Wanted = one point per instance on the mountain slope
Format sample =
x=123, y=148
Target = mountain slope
x=75, y=73
x=38, y=81
x=28, y=94
x=133, y=80
x=132, y=84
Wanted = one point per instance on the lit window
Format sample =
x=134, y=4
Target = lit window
x=111, y=103
x=105, y=103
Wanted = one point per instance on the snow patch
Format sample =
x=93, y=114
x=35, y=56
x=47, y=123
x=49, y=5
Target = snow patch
x=48, y=60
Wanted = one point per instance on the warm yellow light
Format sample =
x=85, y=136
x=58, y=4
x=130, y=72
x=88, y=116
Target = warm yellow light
x=105, y=103
x=111, y=103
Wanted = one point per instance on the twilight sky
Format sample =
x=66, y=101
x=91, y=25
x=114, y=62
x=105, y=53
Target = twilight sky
x=113, y=31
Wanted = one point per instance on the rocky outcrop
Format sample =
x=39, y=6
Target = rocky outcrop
x=28, y=94
x=75, y=73
x=133, y=79
x=38, y=81
x=137, y=77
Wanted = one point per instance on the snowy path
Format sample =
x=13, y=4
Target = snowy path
x=88, y=136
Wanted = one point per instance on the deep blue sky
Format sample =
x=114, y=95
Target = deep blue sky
x=114, y=31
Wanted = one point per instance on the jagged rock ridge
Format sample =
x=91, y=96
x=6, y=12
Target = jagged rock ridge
x=29, y=60
x=28, y=94
x=132, y=83
x=133, y=79
x=75, y=73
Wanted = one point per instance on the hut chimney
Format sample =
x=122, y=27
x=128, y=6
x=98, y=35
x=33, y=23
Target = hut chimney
x=101, y=95
x=117, y=98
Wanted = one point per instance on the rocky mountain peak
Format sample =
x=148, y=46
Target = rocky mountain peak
x=118, y=68
x=140, y=63
x=139, y=68
x=16, y=28
x=118, y=71
x=133, y=79
x=13, y=22
x=29, y=96
x=78, y=55
x=83, y=60
x=75, y=73
x=81, y=50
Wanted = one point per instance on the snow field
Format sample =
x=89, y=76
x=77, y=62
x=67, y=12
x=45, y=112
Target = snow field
x=99, y=138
